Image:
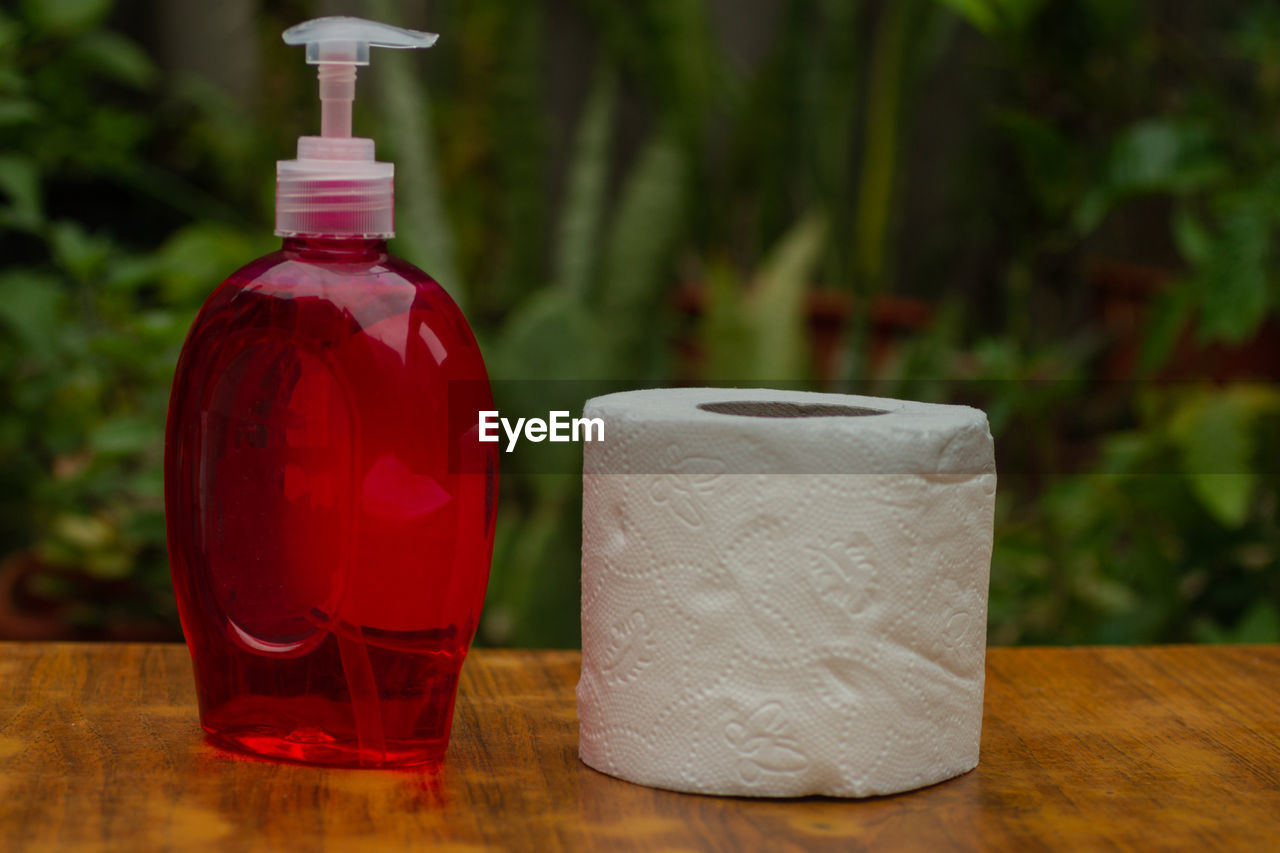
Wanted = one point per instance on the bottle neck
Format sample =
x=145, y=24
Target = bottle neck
x=342, y=249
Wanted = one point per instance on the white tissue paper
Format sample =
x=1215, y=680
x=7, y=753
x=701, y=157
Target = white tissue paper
x=788, y=604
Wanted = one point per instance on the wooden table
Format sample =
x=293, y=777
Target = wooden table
x=1115, y=748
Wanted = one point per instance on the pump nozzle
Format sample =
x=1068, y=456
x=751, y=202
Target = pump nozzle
x=338, y=44
x=335, y=186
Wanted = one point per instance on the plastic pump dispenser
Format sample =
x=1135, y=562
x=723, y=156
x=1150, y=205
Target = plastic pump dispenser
x=329, y=506
x=335, y=186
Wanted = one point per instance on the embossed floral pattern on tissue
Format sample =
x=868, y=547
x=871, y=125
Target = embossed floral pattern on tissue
x=784, y=634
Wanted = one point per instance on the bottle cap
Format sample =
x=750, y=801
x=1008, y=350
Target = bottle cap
x=335, y=187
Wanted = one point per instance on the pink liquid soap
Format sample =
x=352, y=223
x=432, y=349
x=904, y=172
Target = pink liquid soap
x=329, y=506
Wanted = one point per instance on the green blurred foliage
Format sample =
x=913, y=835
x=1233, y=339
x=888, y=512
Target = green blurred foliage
x=1128, y=118
x=1133, y=513
x=94, y=306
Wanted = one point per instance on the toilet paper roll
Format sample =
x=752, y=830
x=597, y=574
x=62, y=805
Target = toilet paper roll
x=784, y=593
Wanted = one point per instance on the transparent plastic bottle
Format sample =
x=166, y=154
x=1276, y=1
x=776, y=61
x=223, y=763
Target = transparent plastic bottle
x=329, y=505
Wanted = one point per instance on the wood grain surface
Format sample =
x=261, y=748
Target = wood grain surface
x=1161, y=748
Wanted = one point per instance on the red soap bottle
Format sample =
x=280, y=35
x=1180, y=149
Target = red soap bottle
x=329, y=504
